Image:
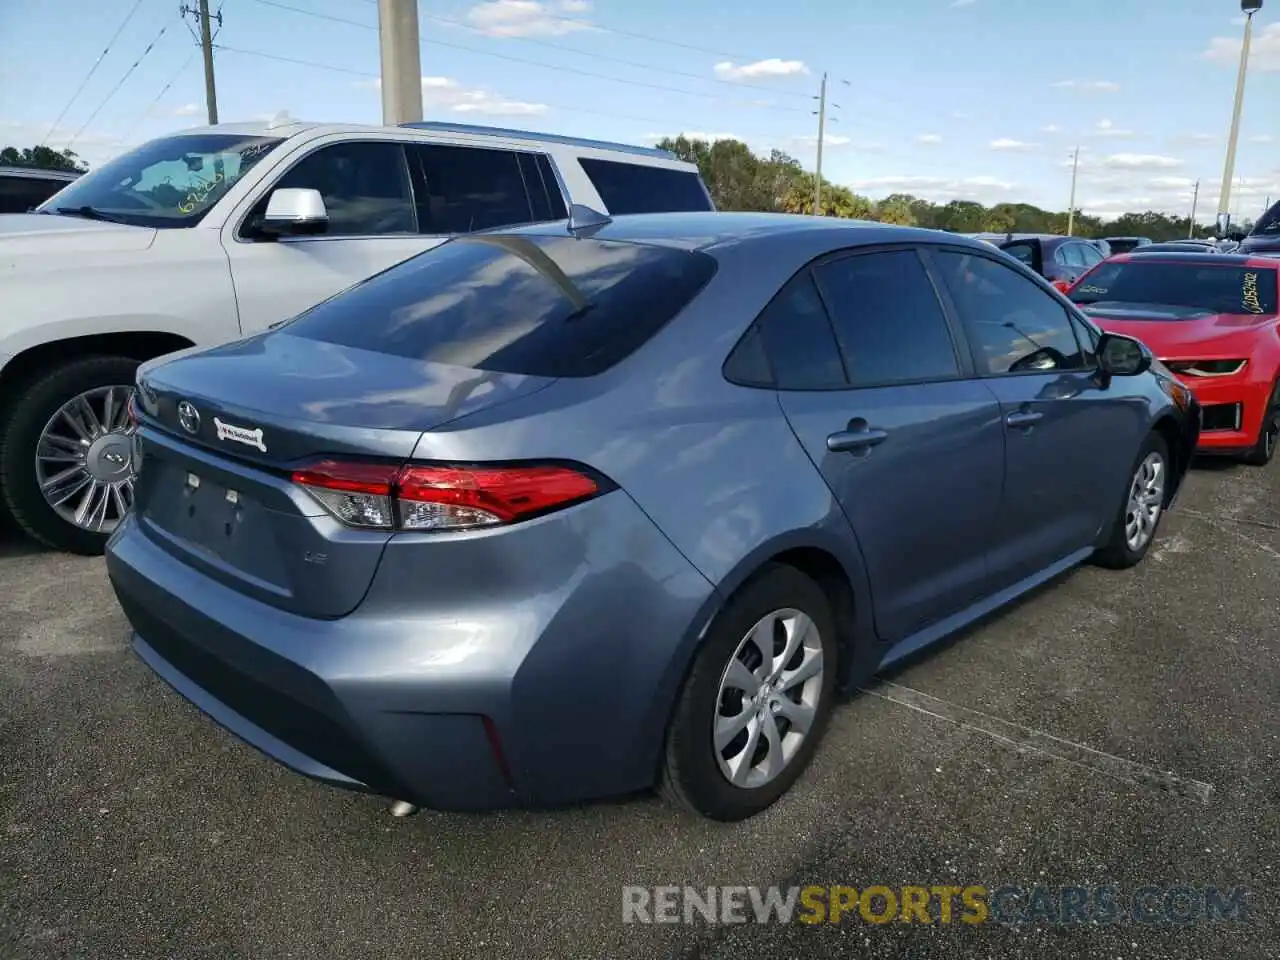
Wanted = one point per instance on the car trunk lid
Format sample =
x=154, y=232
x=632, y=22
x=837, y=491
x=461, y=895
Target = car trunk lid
x=224, y=430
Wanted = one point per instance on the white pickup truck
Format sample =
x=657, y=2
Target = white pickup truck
x=217, y=232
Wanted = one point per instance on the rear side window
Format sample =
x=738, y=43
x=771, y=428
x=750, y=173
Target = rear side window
x=533, y=305
x=796, y=334
x=20, y=194
x=637, y=188
x=887, y=319
x=464, y=189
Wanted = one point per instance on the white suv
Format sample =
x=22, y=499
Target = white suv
x=217, y=232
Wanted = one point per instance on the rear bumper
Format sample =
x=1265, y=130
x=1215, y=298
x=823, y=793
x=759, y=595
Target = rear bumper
x=550, y=696
x=1232, y=412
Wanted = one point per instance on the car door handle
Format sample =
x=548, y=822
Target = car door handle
x=848, y=440
x=1023, y=418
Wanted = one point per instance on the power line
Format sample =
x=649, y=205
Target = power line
x=93, y=69
x=159, y=96
x=373, y=76
x=120, y=83
x=545, y=66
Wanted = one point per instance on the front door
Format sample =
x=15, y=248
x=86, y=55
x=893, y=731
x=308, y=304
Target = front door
x=874, y=387
x=373, y=225
x=1066, y=435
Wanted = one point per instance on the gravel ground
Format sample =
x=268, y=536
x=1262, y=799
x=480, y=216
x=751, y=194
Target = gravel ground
x=1112, y=729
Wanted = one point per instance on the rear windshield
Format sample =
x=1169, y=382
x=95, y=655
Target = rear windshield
x=1201, y=286
x=637, y=188
x=533, y=305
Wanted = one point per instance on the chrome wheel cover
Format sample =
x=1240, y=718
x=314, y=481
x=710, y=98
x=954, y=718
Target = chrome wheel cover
x=1146, y=501
x=84, y=459
x=768, y=698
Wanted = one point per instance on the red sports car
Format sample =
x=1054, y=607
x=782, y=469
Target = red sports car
x=1212, y=319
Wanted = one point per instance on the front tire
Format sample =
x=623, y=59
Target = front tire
x=1142, y=508
x=66, y=472
x=757, y=699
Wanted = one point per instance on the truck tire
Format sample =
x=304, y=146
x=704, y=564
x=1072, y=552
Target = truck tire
x=66, y=470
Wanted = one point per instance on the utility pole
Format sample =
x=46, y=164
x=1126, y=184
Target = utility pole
x=1195, y=199
x=822, y=124
x=1071, y=206
x=204, y=18
x=1249, y=7
x=401, y=61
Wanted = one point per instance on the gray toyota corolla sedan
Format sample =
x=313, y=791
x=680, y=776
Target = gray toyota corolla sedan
x=557, y=512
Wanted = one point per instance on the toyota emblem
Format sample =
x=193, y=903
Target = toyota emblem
x=188, y=416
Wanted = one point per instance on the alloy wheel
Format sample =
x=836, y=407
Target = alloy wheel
x=84, y=459
x=1146, y=501
x=768, y=698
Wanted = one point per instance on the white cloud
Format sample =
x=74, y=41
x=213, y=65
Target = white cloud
x=983, y=189
x=928, y=139
x=828, y=140
x=1088, y=86
x=1140, y=161
x=1263, y=138
x=692, y=135
x=1264, y=52
x=1171, y=183
x=963, y=3
x=1050, y=128
x=1013, y=146
x=188, y=110
x=1106, y=128
x=772, y=67
x=528, y=18
x=445, y=93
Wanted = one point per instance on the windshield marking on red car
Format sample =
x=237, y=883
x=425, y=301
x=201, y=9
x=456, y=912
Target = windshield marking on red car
x=1249, y=294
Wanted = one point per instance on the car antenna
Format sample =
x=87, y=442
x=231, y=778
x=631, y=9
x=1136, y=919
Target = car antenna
x=583, y=219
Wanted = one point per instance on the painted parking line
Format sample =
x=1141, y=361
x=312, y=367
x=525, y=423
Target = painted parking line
x=1037, y=741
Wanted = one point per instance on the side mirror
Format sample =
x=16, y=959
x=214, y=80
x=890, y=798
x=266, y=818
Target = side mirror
x=294, y=212
x=1121, y=356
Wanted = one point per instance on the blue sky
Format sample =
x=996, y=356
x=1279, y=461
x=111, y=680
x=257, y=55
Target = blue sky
x=978, y=99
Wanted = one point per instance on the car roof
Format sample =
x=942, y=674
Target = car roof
x=284, y=126
x=704, y=230
x=1201, y=257
x=38, y=173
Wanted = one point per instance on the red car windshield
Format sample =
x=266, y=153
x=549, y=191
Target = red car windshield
x=1212, y=288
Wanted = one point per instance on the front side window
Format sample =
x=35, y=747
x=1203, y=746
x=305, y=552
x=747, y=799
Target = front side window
x=1014, y=325
x=365, y=186
x=887, y=319
x=171, y=182
x=464, y=189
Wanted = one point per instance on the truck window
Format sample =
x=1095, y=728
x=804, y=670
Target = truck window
x=639, y=188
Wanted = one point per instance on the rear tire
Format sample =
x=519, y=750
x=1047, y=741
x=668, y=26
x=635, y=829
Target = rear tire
x=20, y=432
x=778, y=605
x=1269, y=436
x=1146, y=494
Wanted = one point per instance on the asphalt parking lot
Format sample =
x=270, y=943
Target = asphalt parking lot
x=1115, y=727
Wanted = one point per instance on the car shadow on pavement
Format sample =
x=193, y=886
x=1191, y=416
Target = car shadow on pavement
x=15, y=543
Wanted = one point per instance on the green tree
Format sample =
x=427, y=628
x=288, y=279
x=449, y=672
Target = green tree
x=45, y=158
x=897, y=208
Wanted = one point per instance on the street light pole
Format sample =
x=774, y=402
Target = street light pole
x=1195, y=199
x=1071, y=207
x=1249, y=7
x=401, y=61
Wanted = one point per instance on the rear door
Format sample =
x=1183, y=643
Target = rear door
x=876, y=390
x=1068, y=440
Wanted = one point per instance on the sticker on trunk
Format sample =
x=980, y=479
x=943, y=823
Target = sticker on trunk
x=229, y=431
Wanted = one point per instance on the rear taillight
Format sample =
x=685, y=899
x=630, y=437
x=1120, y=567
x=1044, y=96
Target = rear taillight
x=423, y=497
